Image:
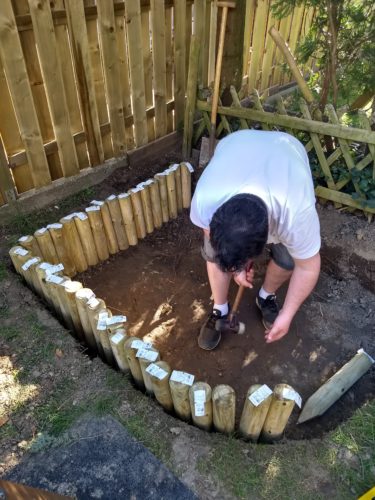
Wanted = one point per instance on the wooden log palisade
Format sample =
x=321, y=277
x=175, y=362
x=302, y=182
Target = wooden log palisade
x=265, y=412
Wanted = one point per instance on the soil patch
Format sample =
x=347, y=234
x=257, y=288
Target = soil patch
x=161, y=286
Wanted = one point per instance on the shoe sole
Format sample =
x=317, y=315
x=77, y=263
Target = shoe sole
x=206, y=348
x=266, y=325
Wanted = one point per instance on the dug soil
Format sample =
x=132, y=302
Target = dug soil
x=161, y=286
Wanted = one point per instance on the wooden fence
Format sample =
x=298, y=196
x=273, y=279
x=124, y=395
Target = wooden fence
x=82, y=81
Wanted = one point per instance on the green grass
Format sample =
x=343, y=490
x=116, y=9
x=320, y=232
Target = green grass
x=3, y=271
x=9, y=332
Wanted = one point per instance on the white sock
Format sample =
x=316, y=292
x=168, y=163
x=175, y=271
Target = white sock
x=263, y=294
x=223, y=308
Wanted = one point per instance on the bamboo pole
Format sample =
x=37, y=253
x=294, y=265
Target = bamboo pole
x=336, y=386
x=82, y=223
x=155, y=202
x=30, y=243
x=117, y=341
x=139, y=219
x=163, y=190
x=254, y=412
x=224, y=408
x=94, y=307
x=82, y=297
x=159, y=373
x=180, y=383
x=70, y=289
x=73, y=243
x=146, y=357
x=108, y=226
x=46, y=245
x=201, y=405
x=128, y=218
x=118, y=224
x=131, y=347
x=56, y=233
x=278, y=414
x=146, y=206
x=102, y=333
x=96, y=222
x=172, y=195
x=186, y=171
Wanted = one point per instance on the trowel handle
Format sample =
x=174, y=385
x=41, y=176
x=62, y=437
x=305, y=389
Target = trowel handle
x=238, y=299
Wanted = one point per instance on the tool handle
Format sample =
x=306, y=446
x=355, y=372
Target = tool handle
x=237, y=300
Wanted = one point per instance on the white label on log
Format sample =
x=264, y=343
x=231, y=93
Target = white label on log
x=136, y=189
x=117, y=338
x=183, y=377
x=156, y=371
x=116, y=319
x=139, y=344
x=45, y=266
x=97, y=203
x=200, y=396
x=92, y=209
x=23, y=238
x=147, y=354
x=93, y=302
x=199, y=409
x=173, y=167
x=41, y=231
x=29, y=263
x=54, y=269
x=70, y=216
x=362, y=351
x=260, y=395
x=112, y=197
x=148, y=182
x=56, y=225
x=81, y=216
x=54, y=279
x=189, y=166
x=292, y=395
x=101, y=325
x=21, y=251
x=123, y=195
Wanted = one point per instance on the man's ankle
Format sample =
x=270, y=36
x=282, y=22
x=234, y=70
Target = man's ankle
x=223, y=308
x=263, y=294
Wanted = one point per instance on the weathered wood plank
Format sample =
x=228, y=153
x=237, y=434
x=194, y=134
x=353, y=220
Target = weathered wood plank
x=248, y=34
x=259, y=34
x=191, y=98
x=169, y=64
x=180, y=55
x=212, y=43
x=7, y=187
x=148, y=70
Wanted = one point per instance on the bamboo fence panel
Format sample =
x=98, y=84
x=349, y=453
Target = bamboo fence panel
x=147, y=65
x=295, y=30
x=248, y=34
x=180, y=60
x=259, y=34
x=284, y=29
x=199, y=24
x=268, y=55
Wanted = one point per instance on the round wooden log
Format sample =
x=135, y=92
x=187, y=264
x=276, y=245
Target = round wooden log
x=87, y=239
x=146, y=357
x=172, y=196
x=19, y=256
x=63, y=301
x=55, y=230
x=161, y=179
x=40, y=277
x=108, y=226
x=102, y=333
x=128, y=218
x=133, y=361
x=70, y=290
x=186, y=171
x=180, y=383
x=29, y=270
x=147, y=206
x=94, y=306
x=177, y=173
x=30, y=243
x=117, y=221
x=201, y=405
x=45, y=270
x=96, y=222
x=155, y=203
x=117, y=341
x=140, y=224
x=73, y=243
x=46, y=245
x=278, y=414
x=159, y=373
x=224, y=408
x=82, y=297
x=254, y=413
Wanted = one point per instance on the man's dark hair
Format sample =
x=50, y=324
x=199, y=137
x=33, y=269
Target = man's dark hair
x=239, y=231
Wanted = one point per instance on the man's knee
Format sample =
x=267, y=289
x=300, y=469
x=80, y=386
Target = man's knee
x=207, y=252
x=282, y=257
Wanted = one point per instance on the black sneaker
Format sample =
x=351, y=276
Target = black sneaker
x=269, y=310
x=209, y=337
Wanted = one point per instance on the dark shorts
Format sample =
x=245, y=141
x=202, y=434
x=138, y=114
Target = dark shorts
x=278, y=252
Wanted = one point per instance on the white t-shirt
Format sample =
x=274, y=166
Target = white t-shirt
x=273, y=166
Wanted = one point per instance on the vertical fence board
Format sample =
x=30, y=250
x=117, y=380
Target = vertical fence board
x=259, y=33
x=295, y=30
x=7, y=187
x=107, y=30
x=180, y=58
x=284, y=32
x=248, y=33
x=169, y=64
x=159, y=66
x=198, y=30
x=189, y=32
x=147, y=66
x=134, y=36
x=19, y=86
x=267, y=55
x=85, y=83
x=50, y=63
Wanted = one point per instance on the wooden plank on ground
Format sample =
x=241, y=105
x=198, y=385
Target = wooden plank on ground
x=169, y=64
x=159, y=66
x=19, y=87
x=180, y=56
x=148, y=70
x=51, y=69
x=259, y=34
x=134, y=37
x=84, y=77
x=107, y=30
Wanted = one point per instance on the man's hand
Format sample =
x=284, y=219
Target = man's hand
x=279, y=328
x=245, y=277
